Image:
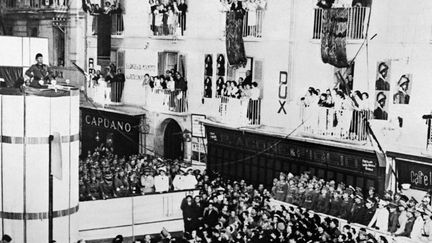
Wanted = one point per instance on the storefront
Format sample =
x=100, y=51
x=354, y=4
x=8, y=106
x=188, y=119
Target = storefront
x=112, y=128
x=258, y=158
x=413, y=170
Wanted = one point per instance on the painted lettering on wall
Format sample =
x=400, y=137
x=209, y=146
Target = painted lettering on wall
x=137, y=71
x=108, y=124
x=283, y=92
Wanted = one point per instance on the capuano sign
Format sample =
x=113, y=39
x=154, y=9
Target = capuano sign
x=116, y=130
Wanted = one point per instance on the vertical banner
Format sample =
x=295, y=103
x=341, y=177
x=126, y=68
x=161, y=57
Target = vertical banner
x=104, y=23
x=234, y=40
x=208, y=76
x=334, y=32
x=56, y=156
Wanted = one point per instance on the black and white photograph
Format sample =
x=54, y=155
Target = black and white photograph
x=215, y=121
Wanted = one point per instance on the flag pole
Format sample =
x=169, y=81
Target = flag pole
x=50, y=192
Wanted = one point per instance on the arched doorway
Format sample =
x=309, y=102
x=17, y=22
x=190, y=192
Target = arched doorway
x=173, y=140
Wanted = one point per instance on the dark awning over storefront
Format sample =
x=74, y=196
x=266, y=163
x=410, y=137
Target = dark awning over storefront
x=259, y=158
x=99, y=126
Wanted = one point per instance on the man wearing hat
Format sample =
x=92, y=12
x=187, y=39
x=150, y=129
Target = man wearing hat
x=382, y=83
x=280, y=189
x=370, y=211
x=161, y=181
x=403, y=217
x=379, y=112
x=402, y=96
x=393, y=218
x=358, y=210
x=408, y=226
x=427, y=228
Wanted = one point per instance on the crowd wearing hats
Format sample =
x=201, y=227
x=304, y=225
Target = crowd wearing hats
x=104, y=175
x=233, y=211
x=392, y=213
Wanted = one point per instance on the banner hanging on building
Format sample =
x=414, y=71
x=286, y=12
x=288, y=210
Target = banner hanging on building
x=234, y=40
x=333, y=40
x=104, y=24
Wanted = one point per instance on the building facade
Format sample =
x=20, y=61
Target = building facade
x=283, y=44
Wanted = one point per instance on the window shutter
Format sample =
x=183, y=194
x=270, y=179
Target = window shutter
x=121, y=60
x=161, y=63
x=230, y=73
x=182, y=66
x=258, y=75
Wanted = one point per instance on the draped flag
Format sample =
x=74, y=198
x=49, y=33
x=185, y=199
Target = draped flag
x=234, y=40
x=104, y=23
x=333, y=38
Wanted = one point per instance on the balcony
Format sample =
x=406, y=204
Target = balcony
x=117, y=28
x=37, y=5
x=341, y=125
x=253, y=24
x=166, y=26
x=357, y=20
x=164, y=100
x=239, y=112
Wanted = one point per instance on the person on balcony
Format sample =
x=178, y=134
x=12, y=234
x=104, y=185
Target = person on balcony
x=182, y=8
x=251, y=7
x=161, y=181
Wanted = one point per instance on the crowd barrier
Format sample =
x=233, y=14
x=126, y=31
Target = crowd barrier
x=343, y=222
x=131, y=216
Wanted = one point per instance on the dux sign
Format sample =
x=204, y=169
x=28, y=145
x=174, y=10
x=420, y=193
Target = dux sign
x=283, y=92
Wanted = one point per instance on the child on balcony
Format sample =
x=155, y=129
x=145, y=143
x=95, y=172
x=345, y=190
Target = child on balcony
x=171, y=21
x=158, y=20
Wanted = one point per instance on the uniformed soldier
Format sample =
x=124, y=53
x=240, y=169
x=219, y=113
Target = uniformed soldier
x=39, y=73
x=358, y=210
x=134, y=184
x=346, y=205
x=335, y=204
x=309, y=196
x=299, y=195
x=121, y=183
x=94, y=189
x=107, y=186
x=291, y=191
x=82, y=190
x=323, y=202
x=281, y=187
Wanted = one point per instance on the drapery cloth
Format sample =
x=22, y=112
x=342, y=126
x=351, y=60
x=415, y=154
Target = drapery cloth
x=234, y=40
x=333, y=40
x=11, y=74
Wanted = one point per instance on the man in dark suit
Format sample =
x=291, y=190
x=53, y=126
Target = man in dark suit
x=211, y=215
x=382, y=83
x=402, y=96
x=393, y=218
x=379, y=112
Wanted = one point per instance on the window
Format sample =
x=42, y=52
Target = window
x=168, y=17
x=170, y=60
x=256, y=69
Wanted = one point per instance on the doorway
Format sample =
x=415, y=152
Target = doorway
x=173, y=141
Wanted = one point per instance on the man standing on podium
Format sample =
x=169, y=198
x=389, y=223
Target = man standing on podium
x=40, y=74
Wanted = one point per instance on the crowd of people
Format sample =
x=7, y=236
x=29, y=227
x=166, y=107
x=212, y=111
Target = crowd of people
x=168, y=16
x=343, y=3
x=108, y=7
x=232, y=211
x=104, y=175
x=344, y=115
x=172, y=80
x=111, y=81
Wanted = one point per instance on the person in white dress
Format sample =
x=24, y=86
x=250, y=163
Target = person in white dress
x=251, y=7
x=161, y=181
x=190, y=180
x=381, y=217
x=179, y=181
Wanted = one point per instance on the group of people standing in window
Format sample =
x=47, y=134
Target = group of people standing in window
x=343, y=3
x=168, y=16
x=243, y=88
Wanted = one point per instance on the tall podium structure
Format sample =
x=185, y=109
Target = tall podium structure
x=27, y=119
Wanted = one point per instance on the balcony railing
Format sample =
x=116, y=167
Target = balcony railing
x=165, y=100
x=356, y=23
x=240, y=111
x=253, y=24
x=117, y=27
x=41, y=4
x=163, y=24
x=331, y=123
